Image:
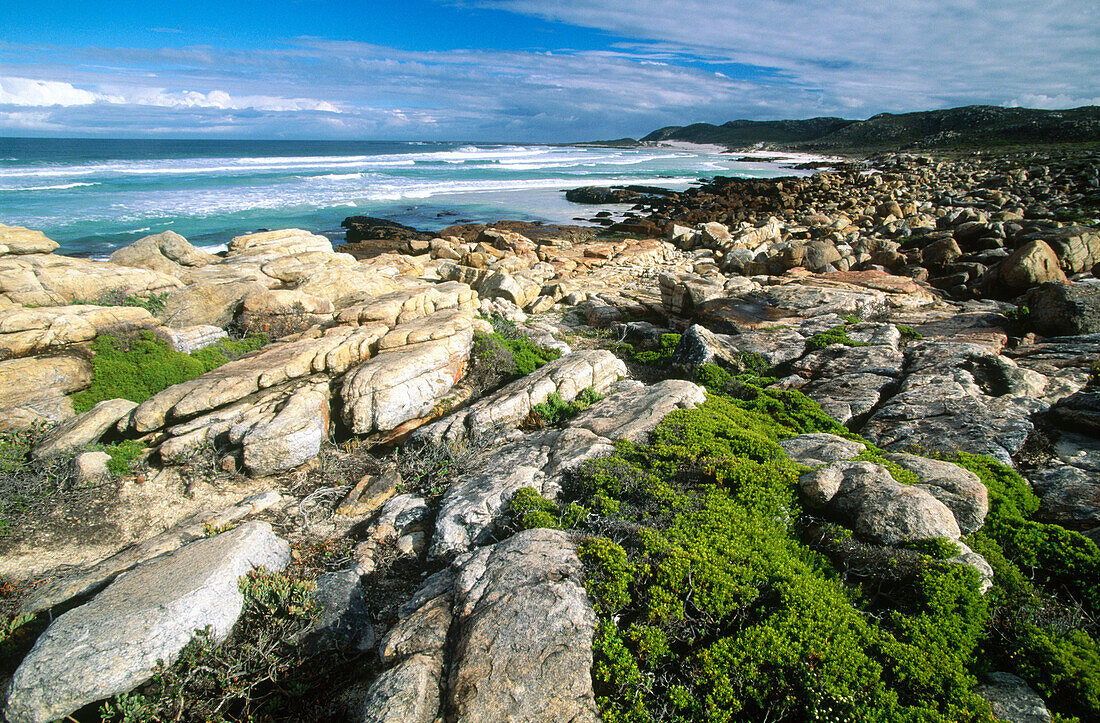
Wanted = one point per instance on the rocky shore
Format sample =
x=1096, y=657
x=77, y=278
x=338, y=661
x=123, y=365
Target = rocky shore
x=465, y=475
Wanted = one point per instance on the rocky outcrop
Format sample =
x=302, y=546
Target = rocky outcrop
x=77, y=433
x=509, y=406
x=1063, y=309
x=112, y=644
x=1012, y=699
x=520, y=620
x=42, y=392
x=48, y=280
x=167, y=253
x=25, y=331
x=19, y=240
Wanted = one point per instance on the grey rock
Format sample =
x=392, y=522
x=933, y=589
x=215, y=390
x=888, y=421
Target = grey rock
x=345, y=619
x=958, y=488
x=1069, y=496
x=817, y=449
x=405, y=693
x=1065, y=309
x=191, y=338
x=76, y=433
x=1012, y=699
x=525, y=626
x=1080, y=411
x=972, y=559
x=112, y=644
x=865, y=496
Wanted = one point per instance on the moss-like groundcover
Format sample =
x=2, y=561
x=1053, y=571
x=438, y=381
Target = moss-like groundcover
x=716, y=603
x=139, y=367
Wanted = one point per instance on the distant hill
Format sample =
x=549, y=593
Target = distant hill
x=974, y=125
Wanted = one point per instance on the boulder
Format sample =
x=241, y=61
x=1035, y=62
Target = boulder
x=818, y=449
x=1032, y=264
x=43, y=389
x=699, y=346
x=77, y=433
x=1064, y=309
x=957, y=487
x=292, y=437
x=1012, y=699
x=18, y=240
x=191, y=338
x=112, y=644
x=1077, y=247
x=167, y=252
x=867, y=498
x=404, y=384
x=1080, y=412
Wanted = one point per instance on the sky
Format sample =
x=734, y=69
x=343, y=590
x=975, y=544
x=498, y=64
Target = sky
x=523, y=70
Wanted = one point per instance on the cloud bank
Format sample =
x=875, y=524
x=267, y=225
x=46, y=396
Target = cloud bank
x=661, y=63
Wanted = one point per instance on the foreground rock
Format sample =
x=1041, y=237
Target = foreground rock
x=112, y=644
x=522, y=627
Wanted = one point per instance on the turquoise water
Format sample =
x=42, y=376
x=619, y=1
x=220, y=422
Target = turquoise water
x=93, y=196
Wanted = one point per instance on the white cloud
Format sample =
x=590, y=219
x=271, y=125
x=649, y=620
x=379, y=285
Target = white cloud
x=27, y=92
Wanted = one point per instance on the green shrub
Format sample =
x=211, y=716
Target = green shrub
x=909, y=333
x=836, y=335
x=529, y=510
x=138, y=368
x=555, y=411
x=123, y=455
x=154, y=303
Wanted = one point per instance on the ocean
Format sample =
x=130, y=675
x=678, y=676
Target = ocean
x=93, y=195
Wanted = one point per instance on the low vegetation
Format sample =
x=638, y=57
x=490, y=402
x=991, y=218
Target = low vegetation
x=720, y=599
x=153, y=303
x=138, y=367
x=555, y=411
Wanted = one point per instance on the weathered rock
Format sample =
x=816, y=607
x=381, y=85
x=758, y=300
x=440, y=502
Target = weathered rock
x=1069, y=495
x=283, y=311
x=292, y=437
x=1078, y=247
x=207, y=304
x=112, y=644
x=25, y=331
x=473, y=504
x=509, y=406
x=525, y=624
x=98, y=576
x=332, y=352
x=1032, y=264
x=43, y=389
x=191, y=338
x=865, y=496
x=49, y=280
x=1012, y=699
x=18, y=240
x=84, y=429
x=1065, y=309
x=699, y=346
x=406, y=383
x=958, y=488
x=370, y=493
x=819, y=448
x=167, y=253
x=634, y=413
x=91, y=467
x=344, y=620
x=958, y=396
x=1080, y=412
x=400, y=307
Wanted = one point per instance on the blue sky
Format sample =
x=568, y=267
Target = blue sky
x=523, y=70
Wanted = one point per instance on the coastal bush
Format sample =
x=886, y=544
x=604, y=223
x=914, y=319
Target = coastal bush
x=123, y=456
x=658, y=358
x=153, y=303
x=139, y=367
x=556, y=411
x=836, y=335
x=715, y=600
x=260, y=673
x=28, y=484
x=529, y=510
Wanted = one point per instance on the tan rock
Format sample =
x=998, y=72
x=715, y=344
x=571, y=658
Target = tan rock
x=35, y=389
x=168, y=253
x=332, y=352
x=207, y=304
x=77, y=433
x=48, y=280
x=1032, y=264
x=369, y=493
x=292, y=437
x=410, y=304
x=404, y=384
x=20, y=240
x=26, y=331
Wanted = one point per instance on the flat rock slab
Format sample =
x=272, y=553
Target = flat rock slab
x=525, y=628
x=112, y=644
x=818, y=449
